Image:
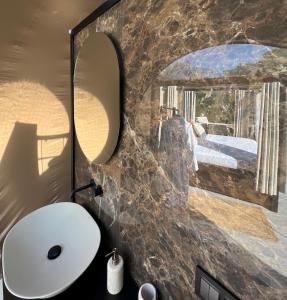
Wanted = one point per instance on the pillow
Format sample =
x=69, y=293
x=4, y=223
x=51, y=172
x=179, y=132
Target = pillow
x=203, y=120
x=199, y=130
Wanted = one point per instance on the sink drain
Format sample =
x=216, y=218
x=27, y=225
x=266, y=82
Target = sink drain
x=54, y=252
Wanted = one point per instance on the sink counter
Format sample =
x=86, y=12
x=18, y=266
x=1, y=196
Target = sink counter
x=92, y=285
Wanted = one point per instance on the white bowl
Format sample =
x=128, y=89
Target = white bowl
x=27, y=271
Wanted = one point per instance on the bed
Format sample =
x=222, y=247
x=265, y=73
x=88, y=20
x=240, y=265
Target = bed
x=227, y=151
x=227, y=165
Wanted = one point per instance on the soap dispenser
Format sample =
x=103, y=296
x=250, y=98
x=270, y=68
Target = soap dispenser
x=115, y=272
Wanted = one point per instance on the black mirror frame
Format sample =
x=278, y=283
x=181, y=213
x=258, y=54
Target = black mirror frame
x=73, y=32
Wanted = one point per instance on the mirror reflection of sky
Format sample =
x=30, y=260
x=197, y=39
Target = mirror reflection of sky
x=215, y=61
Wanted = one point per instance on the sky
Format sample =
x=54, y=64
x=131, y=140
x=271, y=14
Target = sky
x=215, y=61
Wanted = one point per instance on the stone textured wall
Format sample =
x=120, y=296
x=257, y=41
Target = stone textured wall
x=162, y=237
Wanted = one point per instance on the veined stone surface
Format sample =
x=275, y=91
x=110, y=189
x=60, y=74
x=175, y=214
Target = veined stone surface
x=163, y=236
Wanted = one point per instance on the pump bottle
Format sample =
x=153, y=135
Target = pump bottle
x=115, y=272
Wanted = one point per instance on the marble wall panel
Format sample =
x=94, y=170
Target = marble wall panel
x=164, y=229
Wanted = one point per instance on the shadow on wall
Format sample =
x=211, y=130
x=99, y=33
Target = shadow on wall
x=22, y=188
x=34, y=151
x=35, y=46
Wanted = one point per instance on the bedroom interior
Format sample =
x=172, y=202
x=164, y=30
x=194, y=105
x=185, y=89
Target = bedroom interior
x=152, y=131
x=230, y=105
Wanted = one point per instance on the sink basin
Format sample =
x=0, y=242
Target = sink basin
x=46, y=251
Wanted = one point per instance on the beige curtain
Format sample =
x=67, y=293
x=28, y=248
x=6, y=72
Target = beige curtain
x=283, y=142
x=245, y=114
x=172, y=98
x=239, y=96
x=241, y=110
x=268, y=140
x=189, y=108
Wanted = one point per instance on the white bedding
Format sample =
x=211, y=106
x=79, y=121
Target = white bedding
x=227, y=151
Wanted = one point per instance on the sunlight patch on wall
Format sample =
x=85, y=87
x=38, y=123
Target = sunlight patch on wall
x=32, y=103
x=92, y=132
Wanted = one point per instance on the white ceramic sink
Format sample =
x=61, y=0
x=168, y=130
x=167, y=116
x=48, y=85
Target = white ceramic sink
x=27, y=271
